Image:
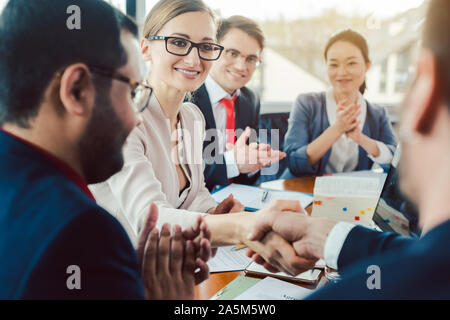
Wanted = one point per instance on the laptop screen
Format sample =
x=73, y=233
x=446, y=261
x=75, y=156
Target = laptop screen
x=394, y=212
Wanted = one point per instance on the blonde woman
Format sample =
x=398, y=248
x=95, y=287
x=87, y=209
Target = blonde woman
x=163, y=155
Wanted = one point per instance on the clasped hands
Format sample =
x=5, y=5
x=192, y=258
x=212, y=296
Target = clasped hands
x=172, y=263
x=254, y=156
x=347, y=120
x=280, y=237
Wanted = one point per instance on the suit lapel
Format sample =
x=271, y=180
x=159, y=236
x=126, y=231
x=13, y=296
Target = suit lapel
x=201, y=98
x=241, y=112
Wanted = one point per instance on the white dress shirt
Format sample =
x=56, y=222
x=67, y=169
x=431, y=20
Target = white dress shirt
x=217, y=93
x=335, y=241
x=345, y=152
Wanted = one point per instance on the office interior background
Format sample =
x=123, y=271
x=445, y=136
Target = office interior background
x=296, y=33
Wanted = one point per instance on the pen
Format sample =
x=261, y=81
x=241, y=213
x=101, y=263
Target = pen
x=264, y=196
x=239, y=247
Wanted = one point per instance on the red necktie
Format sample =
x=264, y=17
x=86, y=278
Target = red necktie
x=230, y=126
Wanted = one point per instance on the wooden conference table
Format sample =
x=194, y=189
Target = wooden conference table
x=219, y=280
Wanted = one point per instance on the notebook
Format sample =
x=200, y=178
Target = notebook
x=346, y=198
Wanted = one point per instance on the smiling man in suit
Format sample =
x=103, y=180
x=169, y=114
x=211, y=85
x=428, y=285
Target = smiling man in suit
x=231, y=110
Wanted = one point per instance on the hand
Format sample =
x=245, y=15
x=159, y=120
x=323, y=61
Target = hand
x=267, y=156
x=308, y=235
x=253, y=157
x=246, y=156
x=277, y=254
x=355, y=134
x=229, y=205
x=346, y=117
x=200, y=235
x=168, y=263
x=273, y=249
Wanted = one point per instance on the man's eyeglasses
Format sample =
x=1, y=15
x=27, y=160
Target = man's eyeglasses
x=140, y=93
x=250, y=60
x=182, y=47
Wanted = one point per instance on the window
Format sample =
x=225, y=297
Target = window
x=2, y=4
x=120, y=4
x=383, y=76
x=402, y=70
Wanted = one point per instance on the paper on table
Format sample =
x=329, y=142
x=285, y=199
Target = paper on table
x=342, y=198
x=334, y=186
x=274, y=289
x=251, y=197
x=228, y=259
x=310, y=276
x=364, y=174
x=320, y=264
x=235, y=288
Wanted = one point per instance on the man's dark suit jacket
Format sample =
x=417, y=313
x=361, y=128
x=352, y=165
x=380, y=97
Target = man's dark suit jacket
x=48, y=224
x=409, y=268
x=247, y=107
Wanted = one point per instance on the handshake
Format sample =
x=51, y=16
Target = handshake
x=280, y=237
x=301, y=239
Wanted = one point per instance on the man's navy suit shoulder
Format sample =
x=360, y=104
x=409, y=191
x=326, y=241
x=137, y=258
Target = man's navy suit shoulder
x=47, y=224
x=407, y=268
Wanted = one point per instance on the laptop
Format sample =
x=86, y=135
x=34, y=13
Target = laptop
x=394, y=212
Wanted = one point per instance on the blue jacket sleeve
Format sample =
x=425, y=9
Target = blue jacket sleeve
x=96, y=243
x=298, y=137
x=362, y=243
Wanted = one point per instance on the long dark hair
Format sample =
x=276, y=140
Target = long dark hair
x=354, y=38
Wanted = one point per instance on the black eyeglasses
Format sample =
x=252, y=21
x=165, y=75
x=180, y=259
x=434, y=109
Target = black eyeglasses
x=182, y=47
x=140, y=93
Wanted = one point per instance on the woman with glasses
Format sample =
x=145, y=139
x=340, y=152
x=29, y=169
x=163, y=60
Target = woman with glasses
x=163, y=155
x=338, y=130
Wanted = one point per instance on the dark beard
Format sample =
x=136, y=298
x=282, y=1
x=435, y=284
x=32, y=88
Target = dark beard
x=100, y=147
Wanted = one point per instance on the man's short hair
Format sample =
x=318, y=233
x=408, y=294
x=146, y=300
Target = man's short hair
x=245, y=24
x=436, y=38
x=36, y=42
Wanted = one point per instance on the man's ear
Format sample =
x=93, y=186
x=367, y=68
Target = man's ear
x=76, y=90
x=145, y=50
x=425, y=94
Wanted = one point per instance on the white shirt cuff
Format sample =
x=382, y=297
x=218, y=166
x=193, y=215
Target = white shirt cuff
x=232, y=168
x=251, y=174
x=335, y=241
x=385, y=156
